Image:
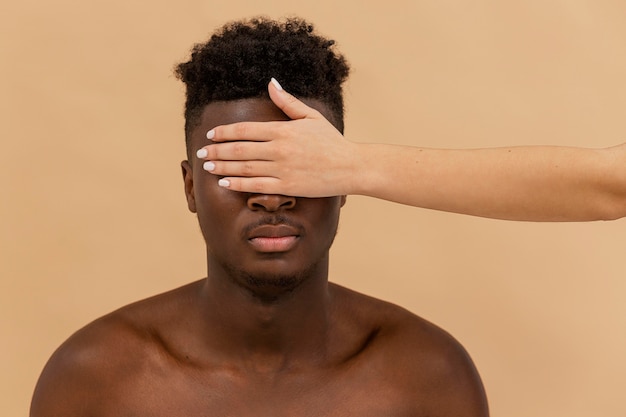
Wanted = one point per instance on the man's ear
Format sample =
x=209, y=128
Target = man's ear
x=188, y=179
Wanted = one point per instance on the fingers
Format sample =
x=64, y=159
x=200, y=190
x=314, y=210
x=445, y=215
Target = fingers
x=290, y=105
x=234, y=151
x=251, y=131
x=263, y=185
x=240, y=168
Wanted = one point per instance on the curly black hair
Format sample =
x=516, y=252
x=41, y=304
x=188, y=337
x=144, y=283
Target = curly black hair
x=240, y=58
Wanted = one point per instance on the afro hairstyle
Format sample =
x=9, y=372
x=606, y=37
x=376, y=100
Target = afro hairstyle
x=240, y=58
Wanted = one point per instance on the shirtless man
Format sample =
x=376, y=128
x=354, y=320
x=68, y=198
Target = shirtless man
x=265, y=333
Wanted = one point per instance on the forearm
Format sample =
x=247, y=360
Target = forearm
x=536, y=183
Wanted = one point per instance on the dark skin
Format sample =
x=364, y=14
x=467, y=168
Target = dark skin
x=265, y=334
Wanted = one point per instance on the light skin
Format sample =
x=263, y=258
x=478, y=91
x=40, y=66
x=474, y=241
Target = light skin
x=308, y=157
x=265, y=333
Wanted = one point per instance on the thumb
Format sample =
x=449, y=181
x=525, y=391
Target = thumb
x=290, y=105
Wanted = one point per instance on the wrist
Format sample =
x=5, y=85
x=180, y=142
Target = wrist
x=364, y=175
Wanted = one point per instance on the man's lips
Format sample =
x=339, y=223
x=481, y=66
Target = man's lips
x=273, y=238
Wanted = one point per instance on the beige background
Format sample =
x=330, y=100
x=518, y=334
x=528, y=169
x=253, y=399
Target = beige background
x=93, y=215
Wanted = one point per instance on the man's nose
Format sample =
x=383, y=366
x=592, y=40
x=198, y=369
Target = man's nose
x=271, y=202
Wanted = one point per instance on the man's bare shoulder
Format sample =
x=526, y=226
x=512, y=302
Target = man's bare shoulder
x=410, y=352
x=105, y=356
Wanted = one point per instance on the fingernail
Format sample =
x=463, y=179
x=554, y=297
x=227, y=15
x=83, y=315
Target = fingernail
x=202, y=153
x=208, y=166
x=210, y=134
x=223, y=183
x=277, y=84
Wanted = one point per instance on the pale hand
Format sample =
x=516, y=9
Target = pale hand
x=306, y=156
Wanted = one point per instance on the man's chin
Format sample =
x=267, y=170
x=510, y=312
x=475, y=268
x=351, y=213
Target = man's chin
x=272, y=288
x=269, y=286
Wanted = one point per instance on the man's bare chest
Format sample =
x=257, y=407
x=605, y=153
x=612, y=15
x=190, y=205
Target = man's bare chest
x=231, y=393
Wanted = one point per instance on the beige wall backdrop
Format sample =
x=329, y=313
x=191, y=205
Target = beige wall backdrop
x=93, y=214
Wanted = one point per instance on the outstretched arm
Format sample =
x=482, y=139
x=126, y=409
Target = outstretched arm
x=308, y=157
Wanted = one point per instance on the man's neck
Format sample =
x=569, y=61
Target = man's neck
x=274, y=331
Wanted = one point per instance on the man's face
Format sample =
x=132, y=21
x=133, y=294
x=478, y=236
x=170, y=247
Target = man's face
x=258, y=240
